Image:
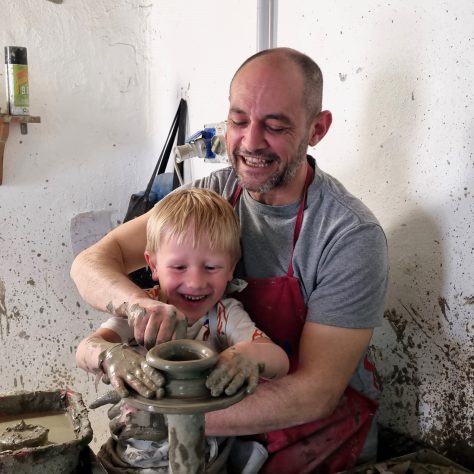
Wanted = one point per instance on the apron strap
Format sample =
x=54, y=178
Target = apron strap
x=299, y=216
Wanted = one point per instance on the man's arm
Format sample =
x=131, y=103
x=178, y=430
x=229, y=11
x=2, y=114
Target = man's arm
x=100, y=274
x=328, y=357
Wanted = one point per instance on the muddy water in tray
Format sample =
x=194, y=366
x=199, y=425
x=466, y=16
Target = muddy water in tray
x=59, y=426
x=42, y=432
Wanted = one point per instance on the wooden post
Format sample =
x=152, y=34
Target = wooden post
x=4, y=130
x=5, y=121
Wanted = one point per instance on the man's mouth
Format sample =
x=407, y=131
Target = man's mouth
x=255, y=162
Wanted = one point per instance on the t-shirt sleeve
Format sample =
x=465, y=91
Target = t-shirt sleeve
x=234, y=324
x=120, y=326
x=352, y=280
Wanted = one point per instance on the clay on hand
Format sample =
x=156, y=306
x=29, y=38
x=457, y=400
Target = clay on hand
x=129, y=422
x=123, y=367
x=233, y=369
x=153, y=322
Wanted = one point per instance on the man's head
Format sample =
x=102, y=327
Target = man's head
x=312, y=93
x=274, y=114
x=193, y=245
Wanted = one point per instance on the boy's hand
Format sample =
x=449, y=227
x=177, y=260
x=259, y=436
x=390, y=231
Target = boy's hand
x=129, y=422
x=232, y=371
x=123, y=366
x=153, y=322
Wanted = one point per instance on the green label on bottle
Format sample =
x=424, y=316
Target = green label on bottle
x=18, y=88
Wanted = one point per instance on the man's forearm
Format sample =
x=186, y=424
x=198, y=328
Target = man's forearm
x=102, y=280
x=100, y=272
x=275, y=405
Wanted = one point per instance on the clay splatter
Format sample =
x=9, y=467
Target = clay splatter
x=423, y=354
x=443, y=305
x=3, y=307
x=469, y=300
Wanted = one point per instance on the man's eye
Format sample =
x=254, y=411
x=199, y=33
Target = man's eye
x=238, y=123
x=275, y=128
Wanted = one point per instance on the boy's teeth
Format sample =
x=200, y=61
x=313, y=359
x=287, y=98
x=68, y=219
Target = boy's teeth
x=194, y=298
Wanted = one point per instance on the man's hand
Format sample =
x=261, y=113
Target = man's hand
x=233, y=369
x=153, y=322
x=125, y=367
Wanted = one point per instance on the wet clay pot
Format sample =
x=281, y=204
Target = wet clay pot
x=185, y=364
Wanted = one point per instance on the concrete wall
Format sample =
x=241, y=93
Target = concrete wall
x=106, y=78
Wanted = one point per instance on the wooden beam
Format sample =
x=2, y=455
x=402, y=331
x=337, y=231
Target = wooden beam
x=5, y=121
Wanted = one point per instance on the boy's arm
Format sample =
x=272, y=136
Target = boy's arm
x=90, y=348
x=243, y=363
x=103, y=352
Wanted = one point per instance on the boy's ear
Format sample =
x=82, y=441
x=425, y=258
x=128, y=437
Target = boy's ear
x=151, y=264
x=231, y=272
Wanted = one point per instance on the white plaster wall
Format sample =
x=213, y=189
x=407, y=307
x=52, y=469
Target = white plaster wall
x=106, y=77
x=399, y=83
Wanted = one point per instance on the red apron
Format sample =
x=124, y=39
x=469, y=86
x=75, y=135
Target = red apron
x=323, y=446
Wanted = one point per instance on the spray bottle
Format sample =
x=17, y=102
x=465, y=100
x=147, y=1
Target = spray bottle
x=16, y=67
x=208, y=143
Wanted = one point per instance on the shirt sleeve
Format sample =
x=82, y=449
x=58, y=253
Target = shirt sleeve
x=234, y=324
x=352, y=280
x=120, y=326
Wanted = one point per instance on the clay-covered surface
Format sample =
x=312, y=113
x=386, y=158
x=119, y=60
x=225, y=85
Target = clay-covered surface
x=52, y=458
x=424, y=461
x=23, y=435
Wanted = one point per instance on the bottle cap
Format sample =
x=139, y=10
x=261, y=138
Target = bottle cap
x=15, y=55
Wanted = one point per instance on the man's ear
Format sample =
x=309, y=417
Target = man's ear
x=151, y=264
x=320, y=127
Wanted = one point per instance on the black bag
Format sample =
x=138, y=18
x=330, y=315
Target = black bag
x=143, y=201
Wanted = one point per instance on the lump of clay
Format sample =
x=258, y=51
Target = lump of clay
x=23, y=435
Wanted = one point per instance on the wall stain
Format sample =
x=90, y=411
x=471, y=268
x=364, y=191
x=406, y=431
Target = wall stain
x=469, y=300
x=3, y=308
x=443, y=304
x=428, y=367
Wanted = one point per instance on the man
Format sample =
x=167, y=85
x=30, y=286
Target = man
x=315, y=260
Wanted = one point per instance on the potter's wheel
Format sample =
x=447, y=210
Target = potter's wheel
x=185, y=406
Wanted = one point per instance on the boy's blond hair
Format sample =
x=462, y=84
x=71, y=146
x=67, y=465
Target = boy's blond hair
x=208, y=216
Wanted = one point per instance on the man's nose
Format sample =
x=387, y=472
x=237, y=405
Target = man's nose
x=254, y=138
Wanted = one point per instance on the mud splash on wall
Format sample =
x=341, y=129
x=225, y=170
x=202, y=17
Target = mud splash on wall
x=6, y=316
x=427, y=380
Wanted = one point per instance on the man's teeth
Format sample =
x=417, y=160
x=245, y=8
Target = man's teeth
x=257, y=162
x=194, y=298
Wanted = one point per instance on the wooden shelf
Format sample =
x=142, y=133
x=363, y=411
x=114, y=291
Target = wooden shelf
x=5, y=121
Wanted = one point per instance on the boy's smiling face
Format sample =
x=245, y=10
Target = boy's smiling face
x=193, y=279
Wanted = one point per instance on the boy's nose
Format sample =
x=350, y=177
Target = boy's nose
x=196, y=279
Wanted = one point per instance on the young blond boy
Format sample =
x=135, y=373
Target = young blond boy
x=193, y=245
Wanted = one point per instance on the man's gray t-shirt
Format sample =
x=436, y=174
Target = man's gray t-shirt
x=340, y=257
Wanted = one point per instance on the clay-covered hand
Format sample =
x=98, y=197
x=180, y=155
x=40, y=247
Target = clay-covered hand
x=128, y=422
x=233, y=369
x=122, y=367
x=153, y=322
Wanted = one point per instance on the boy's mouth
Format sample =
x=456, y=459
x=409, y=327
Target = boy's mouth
x=194, y=297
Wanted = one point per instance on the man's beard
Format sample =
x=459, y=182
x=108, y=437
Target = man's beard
x=277, y=179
